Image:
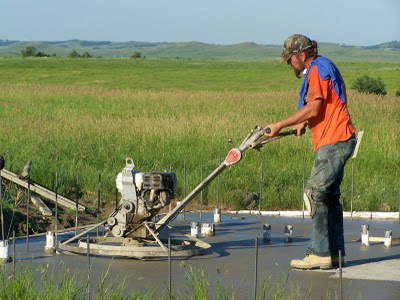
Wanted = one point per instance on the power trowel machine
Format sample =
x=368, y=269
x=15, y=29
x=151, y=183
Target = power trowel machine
x=131, y=229
x=143, y=196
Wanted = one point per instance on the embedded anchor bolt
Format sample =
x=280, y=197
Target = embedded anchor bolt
x=217, y=215
x=4, y=251
x=267, y=232
x=288, y=233
x=388, y=238
x=365, y=235
x=195, y=229
x=50, y=247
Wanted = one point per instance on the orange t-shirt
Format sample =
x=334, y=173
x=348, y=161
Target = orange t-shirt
x=333, y=123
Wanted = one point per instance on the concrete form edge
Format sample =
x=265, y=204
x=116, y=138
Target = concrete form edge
x=354, y=214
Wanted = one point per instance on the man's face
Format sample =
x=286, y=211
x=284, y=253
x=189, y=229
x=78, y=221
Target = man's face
x=297, y=62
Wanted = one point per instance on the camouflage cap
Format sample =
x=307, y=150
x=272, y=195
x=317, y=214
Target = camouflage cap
x=295, y=43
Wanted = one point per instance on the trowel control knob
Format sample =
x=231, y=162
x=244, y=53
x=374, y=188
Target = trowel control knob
x=127, y=206
x=111, y=221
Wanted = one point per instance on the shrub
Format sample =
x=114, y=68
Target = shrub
x=74, y=54
x=136, y=55
x=42, y=54
x=28, y=51
x=86, y=55
x=369, y=85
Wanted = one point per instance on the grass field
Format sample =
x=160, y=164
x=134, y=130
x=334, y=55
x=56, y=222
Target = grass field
x=86, y=116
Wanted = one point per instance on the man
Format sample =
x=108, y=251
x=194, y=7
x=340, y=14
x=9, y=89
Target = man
x=323, y=108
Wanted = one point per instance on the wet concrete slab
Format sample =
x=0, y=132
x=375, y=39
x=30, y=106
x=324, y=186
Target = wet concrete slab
x=371, y=272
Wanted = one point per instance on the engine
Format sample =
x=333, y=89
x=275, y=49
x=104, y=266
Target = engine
x=143, y=196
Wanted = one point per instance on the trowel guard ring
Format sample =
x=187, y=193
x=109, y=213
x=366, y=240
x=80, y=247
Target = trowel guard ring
x=233, y=157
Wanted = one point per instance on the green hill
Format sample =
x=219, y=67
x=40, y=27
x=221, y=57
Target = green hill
x=386, y=52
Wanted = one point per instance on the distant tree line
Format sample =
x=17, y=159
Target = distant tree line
x=75, y=54
x=32, y=52
x=6, y=42
x=136, y=54
x=394, y=45
x=93, y=43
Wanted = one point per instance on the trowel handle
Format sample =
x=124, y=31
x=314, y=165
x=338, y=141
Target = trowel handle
x=285, y=133
x=291, y=132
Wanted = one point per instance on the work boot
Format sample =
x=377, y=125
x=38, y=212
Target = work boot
x=312, y=262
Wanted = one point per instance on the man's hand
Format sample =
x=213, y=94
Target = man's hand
x=271, y=130
x=300, y=128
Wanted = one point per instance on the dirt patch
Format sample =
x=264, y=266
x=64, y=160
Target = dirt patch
x=18, y=220
x=16, y=216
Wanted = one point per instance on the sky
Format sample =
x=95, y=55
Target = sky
x=224, y=22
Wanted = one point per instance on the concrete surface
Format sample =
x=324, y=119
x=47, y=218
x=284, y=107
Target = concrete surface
x=371, y=272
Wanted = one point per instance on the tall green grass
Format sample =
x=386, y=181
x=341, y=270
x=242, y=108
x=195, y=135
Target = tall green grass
x=63, y=283
x=78, y=117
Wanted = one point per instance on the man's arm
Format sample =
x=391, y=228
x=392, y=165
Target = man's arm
x=301, y=116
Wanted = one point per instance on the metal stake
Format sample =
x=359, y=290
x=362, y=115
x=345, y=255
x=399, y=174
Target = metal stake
x=304, y=178
x=170, y=203
x=1, y=208
x=219, y=184
x=261, y=187
x=184, y=178
x=98, y=203
x=116, y=195
x=76, y=201
x=27, y=213
x=255, y=268
x=352, y=188
x=14, y=260
x=56, y=212
x=340, y=274
x=88, y=275
x=184, y=187
x=201, y=193
x=399, y=204
x=169, y=269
